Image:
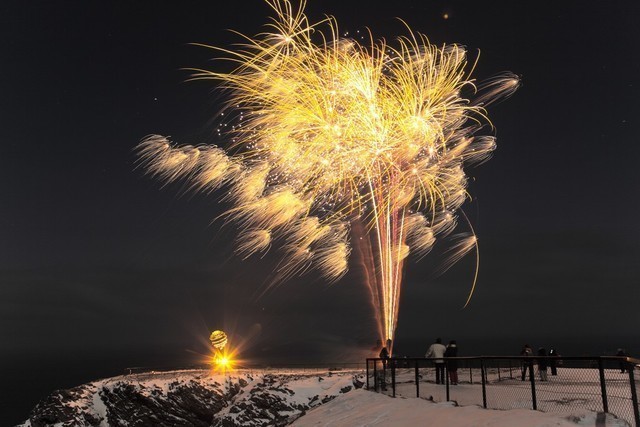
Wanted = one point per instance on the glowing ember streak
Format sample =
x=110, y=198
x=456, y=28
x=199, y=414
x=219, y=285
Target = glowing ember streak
x=333, y=133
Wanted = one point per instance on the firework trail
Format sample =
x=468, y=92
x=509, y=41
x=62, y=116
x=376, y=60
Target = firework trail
x=342, y=142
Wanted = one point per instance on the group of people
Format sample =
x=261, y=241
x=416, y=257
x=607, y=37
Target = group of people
x=437, y=351
x=441, y=354
x=544, y=362
x=445, y=357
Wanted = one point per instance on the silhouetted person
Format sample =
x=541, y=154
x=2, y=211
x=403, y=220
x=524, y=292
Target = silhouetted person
x=553, y=361
x=452, y=365
x=384, y=356
x=542, y=364
x=436, y=350
x=526, y=351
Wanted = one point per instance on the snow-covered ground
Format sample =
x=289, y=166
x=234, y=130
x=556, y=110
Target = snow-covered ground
x=364, y=408
x=324, y=398
x=573, y=390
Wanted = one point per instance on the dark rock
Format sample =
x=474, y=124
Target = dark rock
x=357, y=383
x=327, y=399
x=52, y=410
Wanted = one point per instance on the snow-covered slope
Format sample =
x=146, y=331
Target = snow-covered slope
x=263, y=398
x=363, y=408
x=193, y=398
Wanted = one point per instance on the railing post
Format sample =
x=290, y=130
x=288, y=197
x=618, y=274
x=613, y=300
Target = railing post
x=392, y=362
x=532, y=378
x=498, y=363
x=368, y=374
x=470, y=374
x=375, y=375
x=634, y=394
x=484, y=386
x=446, y=380
x=603, y=386
x=417, y=380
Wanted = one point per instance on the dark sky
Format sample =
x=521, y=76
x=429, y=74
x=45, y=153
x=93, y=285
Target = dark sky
x=102, y=269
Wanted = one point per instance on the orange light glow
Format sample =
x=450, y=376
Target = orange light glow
x=223, y=360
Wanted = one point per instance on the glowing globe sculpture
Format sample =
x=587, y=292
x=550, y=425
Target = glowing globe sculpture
x=218, y=339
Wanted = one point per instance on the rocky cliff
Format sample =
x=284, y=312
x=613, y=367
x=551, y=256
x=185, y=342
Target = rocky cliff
x=193, y=398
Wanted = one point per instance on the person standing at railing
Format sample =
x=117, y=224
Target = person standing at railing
x=542, y=363
x=526, y=351
x=553, y=361
x=436, y=351
x=452, y=364
x=384, y=357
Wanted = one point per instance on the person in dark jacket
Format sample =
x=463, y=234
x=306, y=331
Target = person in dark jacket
x=384, y=356
x=621, y=353
x=452, y=365
x=542, y=363
x=526, y=351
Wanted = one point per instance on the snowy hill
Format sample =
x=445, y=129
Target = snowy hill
x=192, y=398
x=264, y=398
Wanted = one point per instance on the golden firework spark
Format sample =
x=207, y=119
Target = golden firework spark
x=332, y=133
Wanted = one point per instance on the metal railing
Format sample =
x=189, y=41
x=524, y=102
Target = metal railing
x=548, y=384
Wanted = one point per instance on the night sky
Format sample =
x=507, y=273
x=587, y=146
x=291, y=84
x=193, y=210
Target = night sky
x=101, y=268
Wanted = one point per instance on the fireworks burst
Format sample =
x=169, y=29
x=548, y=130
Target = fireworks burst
x=341, y=142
